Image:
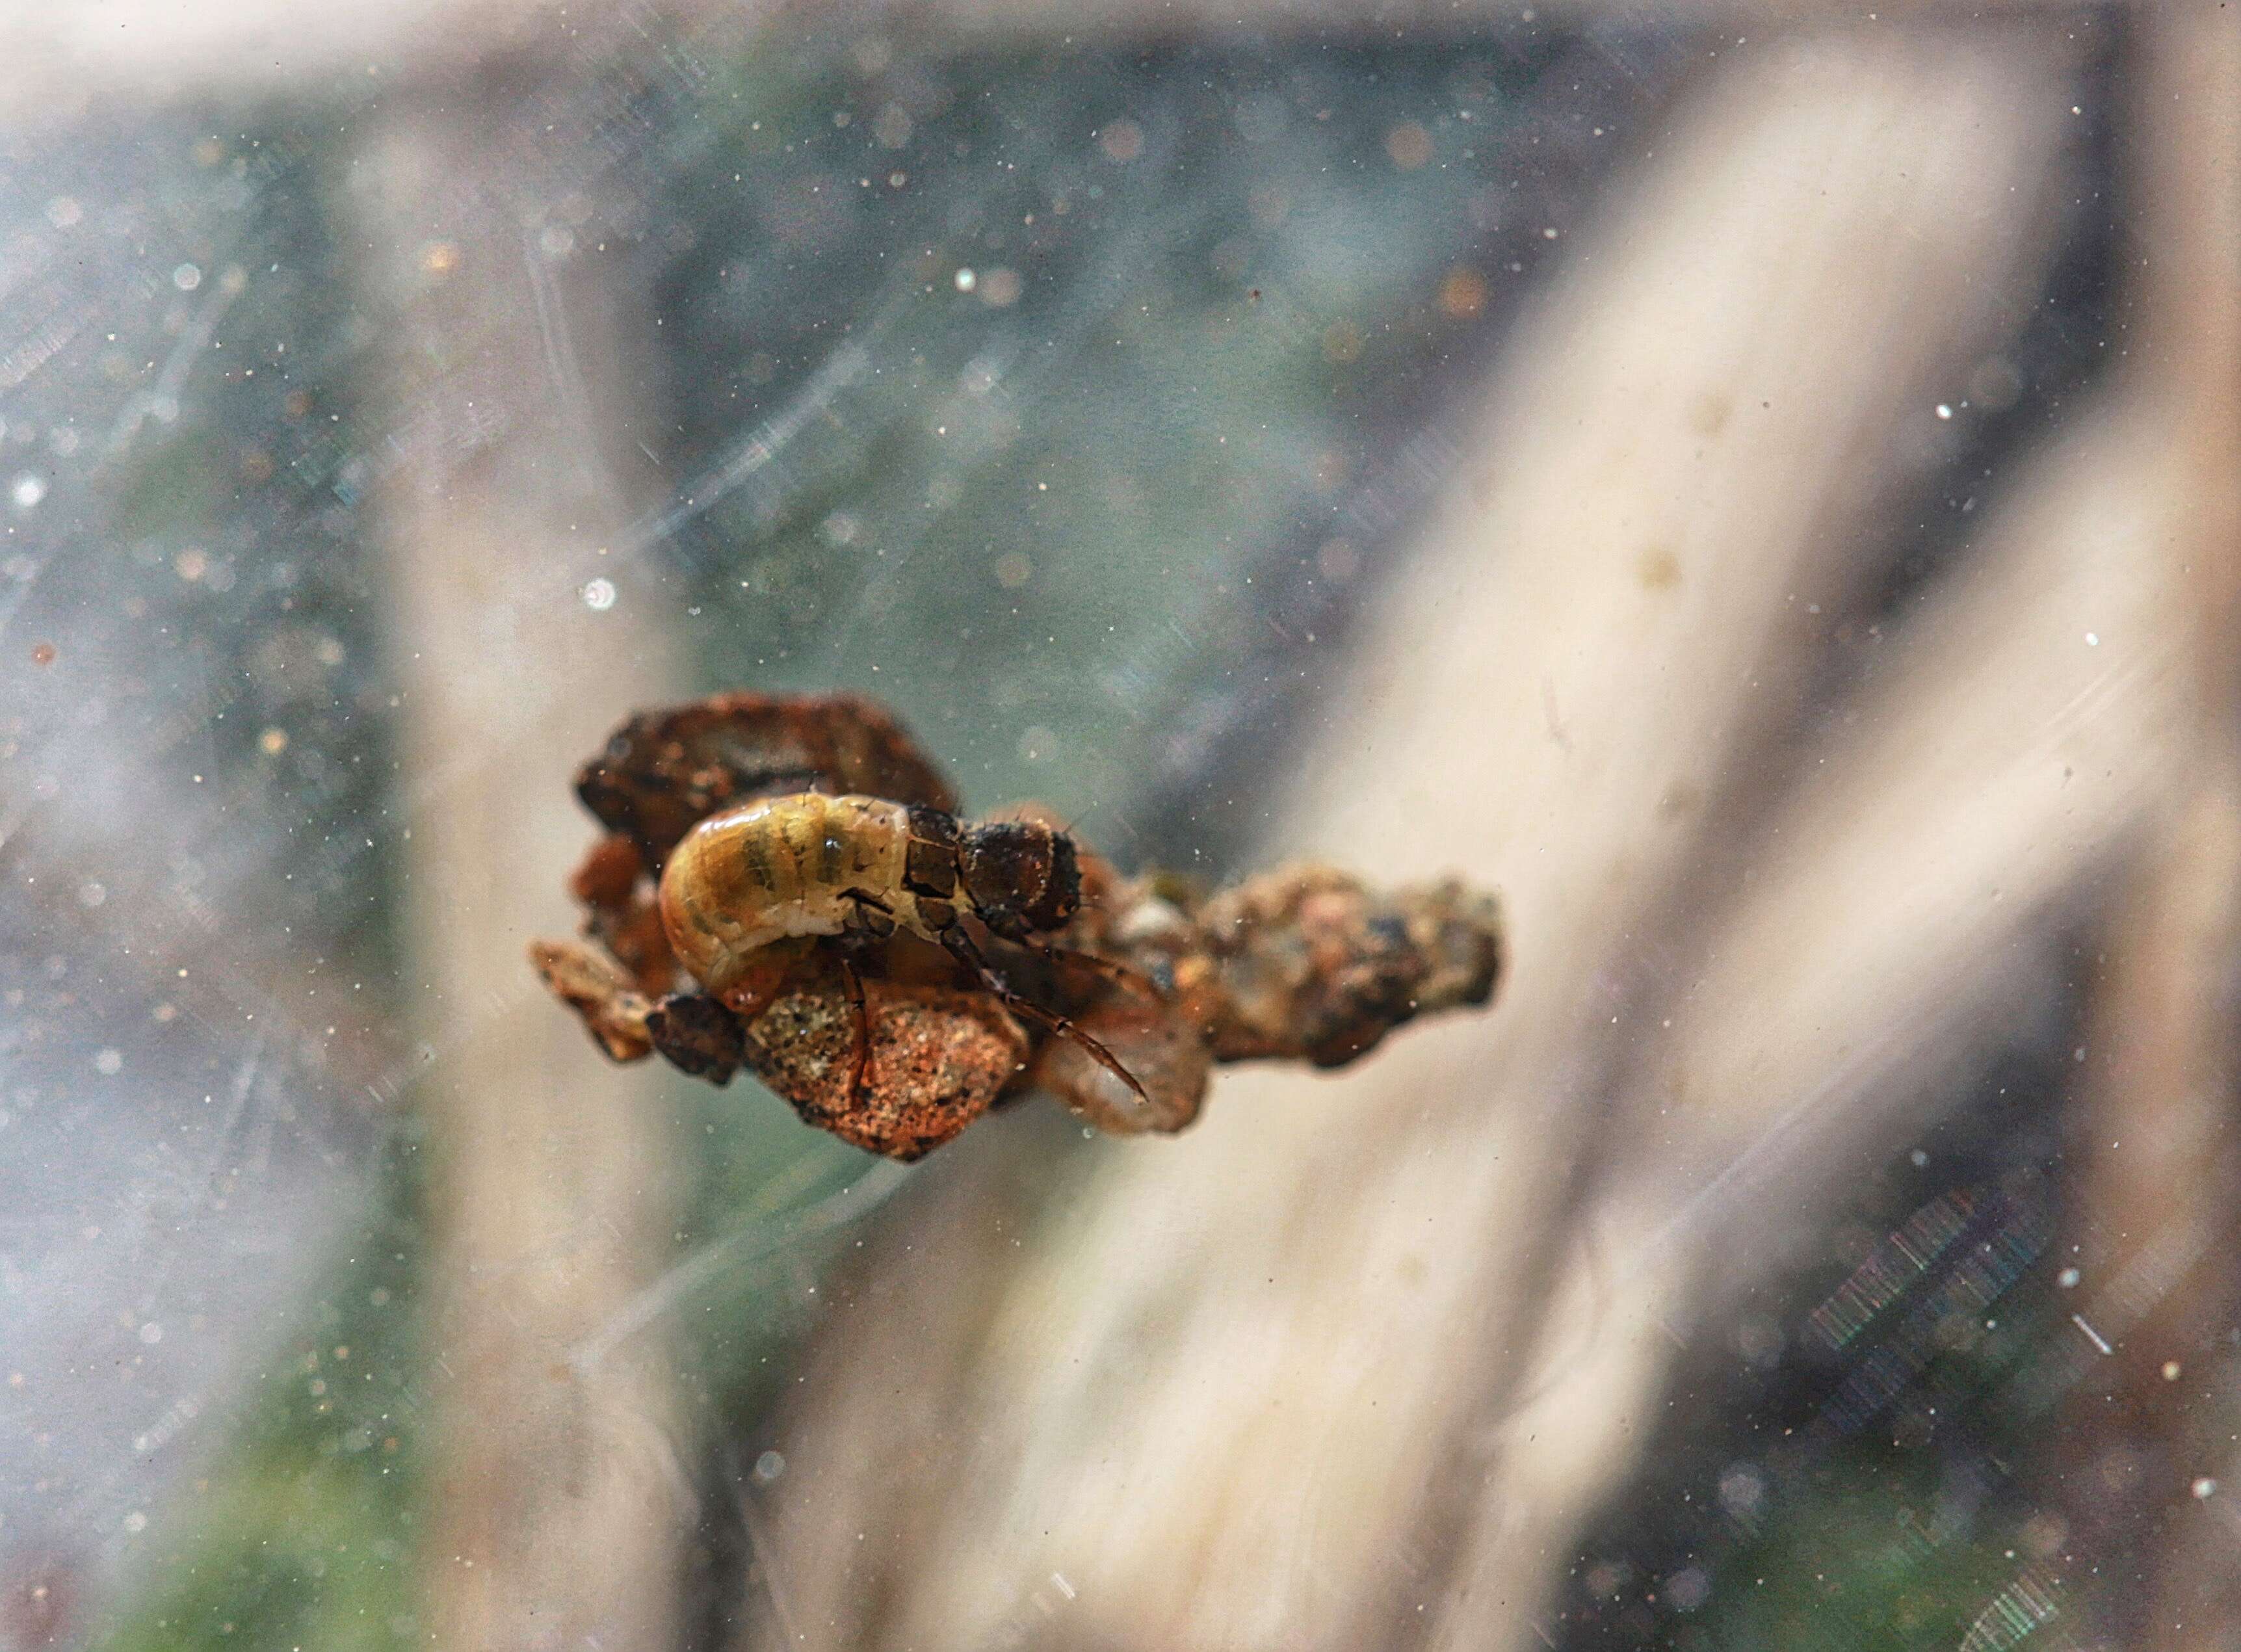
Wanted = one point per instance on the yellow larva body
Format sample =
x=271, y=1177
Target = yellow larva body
x=778, y=868
x=746, y=892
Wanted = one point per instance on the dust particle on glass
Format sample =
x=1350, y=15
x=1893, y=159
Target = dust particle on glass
x=598, y=594
x=1123, y=140
x=28, y=489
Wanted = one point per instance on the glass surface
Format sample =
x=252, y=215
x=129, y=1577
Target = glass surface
x=1759, y=493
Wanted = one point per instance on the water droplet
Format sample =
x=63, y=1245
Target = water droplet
x=598, y=594
x=92, y=893
x=1943, y=412
x=965, y=280
x=136, y=1522
x=2092, y=639
x=2067, y=1279
x=769, y=1466
x=109, y=1063
x=2204, y=1487
x=152, y=1333
x=187, y=277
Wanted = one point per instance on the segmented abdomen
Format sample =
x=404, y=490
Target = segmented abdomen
x=774, y=868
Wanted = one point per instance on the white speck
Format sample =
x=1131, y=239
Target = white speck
x=28, y=489
x=1064, y=1587
x=1919, y=1158
x=136, y=1522
x=1943, y=412
x=1037, y=742
x=152, y=1333
x=965, y=280
x=187, y=277
x=108, y=1064
x=2091, y=1335
x=2092, y=639
x=2204, y=1487
x=1549, y=234
x=769, y=1466
x=2067, y=1279
x=598, y=594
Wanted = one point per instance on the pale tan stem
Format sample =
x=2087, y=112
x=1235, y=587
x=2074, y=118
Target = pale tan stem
x=2155, y=1181
x=1898, y=918
x=1248, y=1391
x=56, y=60
x=557, y=1500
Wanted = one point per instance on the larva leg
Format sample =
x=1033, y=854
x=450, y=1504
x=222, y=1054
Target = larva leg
x=959, y=945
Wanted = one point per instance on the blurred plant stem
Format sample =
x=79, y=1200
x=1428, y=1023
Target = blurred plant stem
x=2147, y=1465
x=1322, y=1408
x=557, y=1497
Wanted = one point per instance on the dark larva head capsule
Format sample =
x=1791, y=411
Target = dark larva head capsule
x=1021, y=876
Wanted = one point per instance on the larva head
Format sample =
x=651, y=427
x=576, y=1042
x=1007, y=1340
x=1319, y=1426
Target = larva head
x=1019, y=877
